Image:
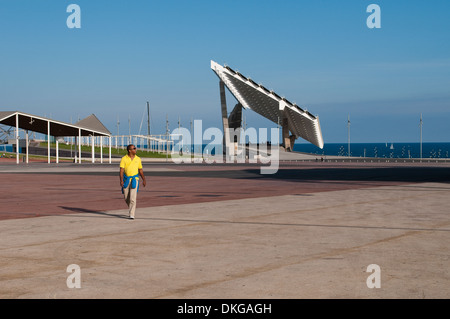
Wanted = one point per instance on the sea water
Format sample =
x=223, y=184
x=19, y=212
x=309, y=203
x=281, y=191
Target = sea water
x=380, y=150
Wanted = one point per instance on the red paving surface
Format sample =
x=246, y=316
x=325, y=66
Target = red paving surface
x=33, y=195
x=13, y=160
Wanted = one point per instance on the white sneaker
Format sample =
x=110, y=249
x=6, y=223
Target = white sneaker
x=131, y=217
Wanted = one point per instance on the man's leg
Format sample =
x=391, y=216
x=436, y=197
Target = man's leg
x=132, y=201
x=126, y=195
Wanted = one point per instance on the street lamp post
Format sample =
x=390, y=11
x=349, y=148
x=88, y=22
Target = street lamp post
x=348, y=127
x=420, y=125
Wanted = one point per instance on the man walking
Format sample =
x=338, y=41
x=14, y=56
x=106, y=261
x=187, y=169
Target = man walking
x=130, y=170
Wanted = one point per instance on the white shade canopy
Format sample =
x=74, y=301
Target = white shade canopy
x=88, y=126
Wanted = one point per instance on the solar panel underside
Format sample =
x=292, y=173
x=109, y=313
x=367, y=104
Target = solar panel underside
x=267, y=103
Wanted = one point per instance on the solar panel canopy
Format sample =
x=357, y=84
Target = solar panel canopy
x=267, y=103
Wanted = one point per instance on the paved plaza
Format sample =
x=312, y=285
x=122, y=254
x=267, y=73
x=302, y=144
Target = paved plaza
x=225, y=231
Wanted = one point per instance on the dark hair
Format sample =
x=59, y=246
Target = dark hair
x=129, y=147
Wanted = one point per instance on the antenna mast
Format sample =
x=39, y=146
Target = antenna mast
x=148, y=118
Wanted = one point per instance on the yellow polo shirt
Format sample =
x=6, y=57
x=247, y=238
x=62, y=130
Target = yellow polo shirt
x=131, y=167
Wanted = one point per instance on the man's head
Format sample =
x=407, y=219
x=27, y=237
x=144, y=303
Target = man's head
x=131, y=149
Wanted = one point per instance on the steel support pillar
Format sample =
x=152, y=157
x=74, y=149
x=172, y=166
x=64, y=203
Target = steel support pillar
x=223, y=102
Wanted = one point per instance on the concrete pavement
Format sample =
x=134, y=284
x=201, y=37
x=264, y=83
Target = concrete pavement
x=298, y=245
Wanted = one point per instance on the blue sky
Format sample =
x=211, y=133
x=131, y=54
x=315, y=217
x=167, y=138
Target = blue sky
x=319, y=54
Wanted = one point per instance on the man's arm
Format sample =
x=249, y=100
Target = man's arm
x=141, y=174
x=121, y=176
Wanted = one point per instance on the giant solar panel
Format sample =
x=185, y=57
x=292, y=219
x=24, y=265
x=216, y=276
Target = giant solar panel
x=267, y=103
